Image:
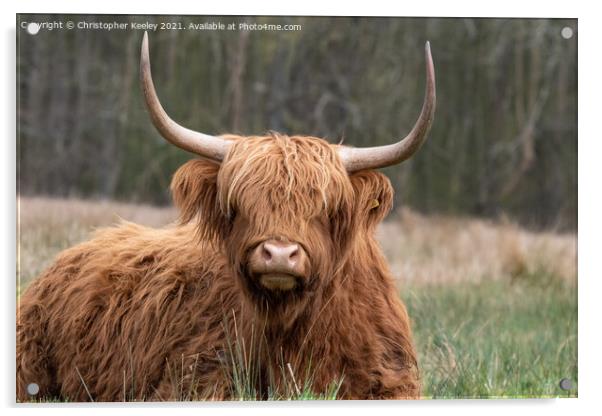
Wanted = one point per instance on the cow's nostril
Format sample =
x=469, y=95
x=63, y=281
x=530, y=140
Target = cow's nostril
x=266, y=253
x=294, y=253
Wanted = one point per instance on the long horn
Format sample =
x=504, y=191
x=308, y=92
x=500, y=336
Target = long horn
x=356, y=159
x=211, y=147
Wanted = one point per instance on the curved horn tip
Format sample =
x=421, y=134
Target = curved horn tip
x=144, y=49
x=382, y=156
x=427, y=50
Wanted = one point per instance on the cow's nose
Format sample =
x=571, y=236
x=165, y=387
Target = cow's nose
x=279, y=265
x=280, y=255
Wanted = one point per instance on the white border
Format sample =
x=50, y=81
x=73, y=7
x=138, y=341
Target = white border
x=590, y=179
x=433, y=8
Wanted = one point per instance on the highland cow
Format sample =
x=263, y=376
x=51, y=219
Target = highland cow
x=273, y=267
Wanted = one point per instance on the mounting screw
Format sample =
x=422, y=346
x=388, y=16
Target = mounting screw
x=33, y=389
x=565, y=384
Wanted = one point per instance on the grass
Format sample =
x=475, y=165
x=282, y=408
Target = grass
x=245, y=374
x=495, y=339
x=493, y=306
x=242, y=371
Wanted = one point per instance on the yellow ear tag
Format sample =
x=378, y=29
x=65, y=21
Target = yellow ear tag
x=374, y=204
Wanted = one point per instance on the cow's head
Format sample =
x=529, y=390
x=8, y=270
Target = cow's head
x=286, y=209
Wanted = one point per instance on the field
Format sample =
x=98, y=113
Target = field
x=493, y=306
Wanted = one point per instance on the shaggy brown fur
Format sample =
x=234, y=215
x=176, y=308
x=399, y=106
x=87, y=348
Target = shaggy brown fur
x=138, y=313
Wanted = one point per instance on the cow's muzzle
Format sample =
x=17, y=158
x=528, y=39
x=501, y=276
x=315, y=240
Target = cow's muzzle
x=278, y=265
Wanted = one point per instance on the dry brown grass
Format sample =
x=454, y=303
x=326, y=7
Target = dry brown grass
x=419, y=249
x=440, y=249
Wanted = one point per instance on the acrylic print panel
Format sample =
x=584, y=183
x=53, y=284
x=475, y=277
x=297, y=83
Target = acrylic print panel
x=295, y=208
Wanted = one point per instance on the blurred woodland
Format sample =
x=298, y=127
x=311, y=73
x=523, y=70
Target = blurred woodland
x=504, y=141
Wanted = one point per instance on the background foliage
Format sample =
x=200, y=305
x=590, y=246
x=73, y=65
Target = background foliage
x=504, y=139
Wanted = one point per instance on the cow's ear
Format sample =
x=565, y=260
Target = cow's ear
x=194, y=190
x=373, y=197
